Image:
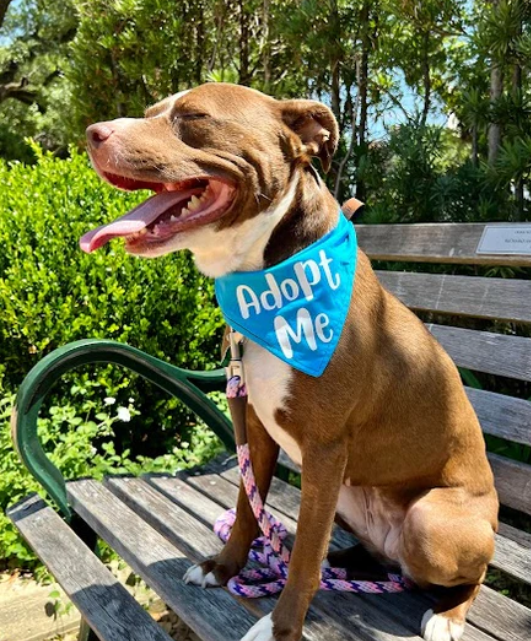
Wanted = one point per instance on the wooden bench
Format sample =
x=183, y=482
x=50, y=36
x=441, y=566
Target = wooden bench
x=161, y=524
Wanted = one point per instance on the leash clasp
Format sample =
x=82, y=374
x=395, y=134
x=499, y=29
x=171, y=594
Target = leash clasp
x=235, y=366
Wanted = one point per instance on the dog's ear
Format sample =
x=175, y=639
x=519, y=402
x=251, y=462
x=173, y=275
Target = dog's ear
x=315, y=125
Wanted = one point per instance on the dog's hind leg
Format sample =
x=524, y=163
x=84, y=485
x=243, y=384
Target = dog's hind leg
x=219, y=569
x=448, y=540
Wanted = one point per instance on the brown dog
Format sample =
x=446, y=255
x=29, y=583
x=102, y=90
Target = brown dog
x=386, y=436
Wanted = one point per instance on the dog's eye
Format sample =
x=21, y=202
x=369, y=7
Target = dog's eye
x=187, y=117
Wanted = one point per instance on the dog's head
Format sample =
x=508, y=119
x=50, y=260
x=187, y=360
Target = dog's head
x=224, y=163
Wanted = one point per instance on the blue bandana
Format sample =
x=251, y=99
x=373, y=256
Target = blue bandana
x=296, y=309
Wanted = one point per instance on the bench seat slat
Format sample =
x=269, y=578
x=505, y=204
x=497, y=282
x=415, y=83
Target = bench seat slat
x=495, y=298
x=513, y=553
x=487, y=352
x=163, y=514
x=431, y=243
x=212, y=614
x=106, y=605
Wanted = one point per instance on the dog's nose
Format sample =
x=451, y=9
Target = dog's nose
x=98, y=133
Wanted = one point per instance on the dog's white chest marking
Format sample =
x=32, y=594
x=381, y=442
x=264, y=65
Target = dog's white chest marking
x=268, y=382
x=373, y=519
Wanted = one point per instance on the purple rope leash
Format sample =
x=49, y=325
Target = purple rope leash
x=269, y=550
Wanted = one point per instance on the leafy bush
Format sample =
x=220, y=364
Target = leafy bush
x=80, y=447
x=52, y=293
x=422, y=174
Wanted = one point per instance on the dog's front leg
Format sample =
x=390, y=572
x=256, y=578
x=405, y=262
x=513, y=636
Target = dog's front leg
x=322, y=475
x=219, y=569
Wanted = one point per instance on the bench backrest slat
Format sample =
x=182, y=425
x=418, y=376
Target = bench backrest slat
x=498, y=354
x=432, y=243
x=495, y=298
x=503, y=416
x=513, y=482
x=462, y=297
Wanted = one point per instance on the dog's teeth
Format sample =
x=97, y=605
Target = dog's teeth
x=194, y=203
x=185, y=212
x=172, y=218
x=137, y=234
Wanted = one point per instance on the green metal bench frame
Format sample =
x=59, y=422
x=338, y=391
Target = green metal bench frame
x=190, y=387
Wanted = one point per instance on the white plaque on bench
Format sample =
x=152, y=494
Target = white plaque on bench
x=505, y=239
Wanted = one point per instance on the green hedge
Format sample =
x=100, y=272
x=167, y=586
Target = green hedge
x=52, y=293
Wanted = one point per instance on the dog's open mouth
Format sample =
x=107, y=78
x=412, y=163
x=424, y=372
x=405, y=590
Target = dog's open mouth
x=176, y=207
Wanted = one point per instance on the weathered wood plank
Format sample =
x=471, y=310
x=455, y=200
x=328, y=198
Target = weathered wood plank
x=513, y=556
x=513, y=482
x=497, y=354
x=212, y=614
x=431, y=243
x=500, y=616
x=513, y=553
x=503, y=416
x=497, y=298
x=106, y=605
x=407, y=610
x=166, y=515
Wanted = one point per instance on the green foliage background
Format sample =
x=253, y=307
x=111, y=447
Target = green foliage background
x=393, y=72
x=52, y=293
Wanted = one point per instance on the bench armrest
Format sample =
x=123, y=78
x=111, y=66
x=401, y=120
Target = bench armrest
x=190, y=387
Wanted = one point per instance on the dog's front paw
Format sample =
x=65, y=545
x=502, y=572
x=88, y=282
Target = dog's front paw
x=210, y=573
x=202, y=575
x=261, y=631
x=437, y=627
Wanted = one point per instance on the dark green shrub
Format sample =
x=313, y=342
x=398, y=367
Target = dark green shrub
x=52, y=293
x=70, y=439
x=423, y=174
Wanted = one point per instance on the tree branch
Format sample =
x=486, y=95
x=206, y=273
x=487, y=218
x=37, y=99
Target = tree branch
x=4, y=6
x=18, y=91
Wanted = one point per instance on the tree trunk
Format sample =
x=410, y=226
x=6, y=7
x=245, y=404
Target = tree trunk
x=363, y=78
x=220, y=11
x=4, y=6
x=496, y=91
x=426, y=74
x=267, y=48
x=354, y=109
x=335, y=63
x=244, y=44
x=517, y=88
x=200, y=42
x=475, y=146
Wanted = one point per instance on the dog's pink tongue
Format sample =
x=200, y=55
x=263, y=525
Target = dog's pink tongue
x=136, y=220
